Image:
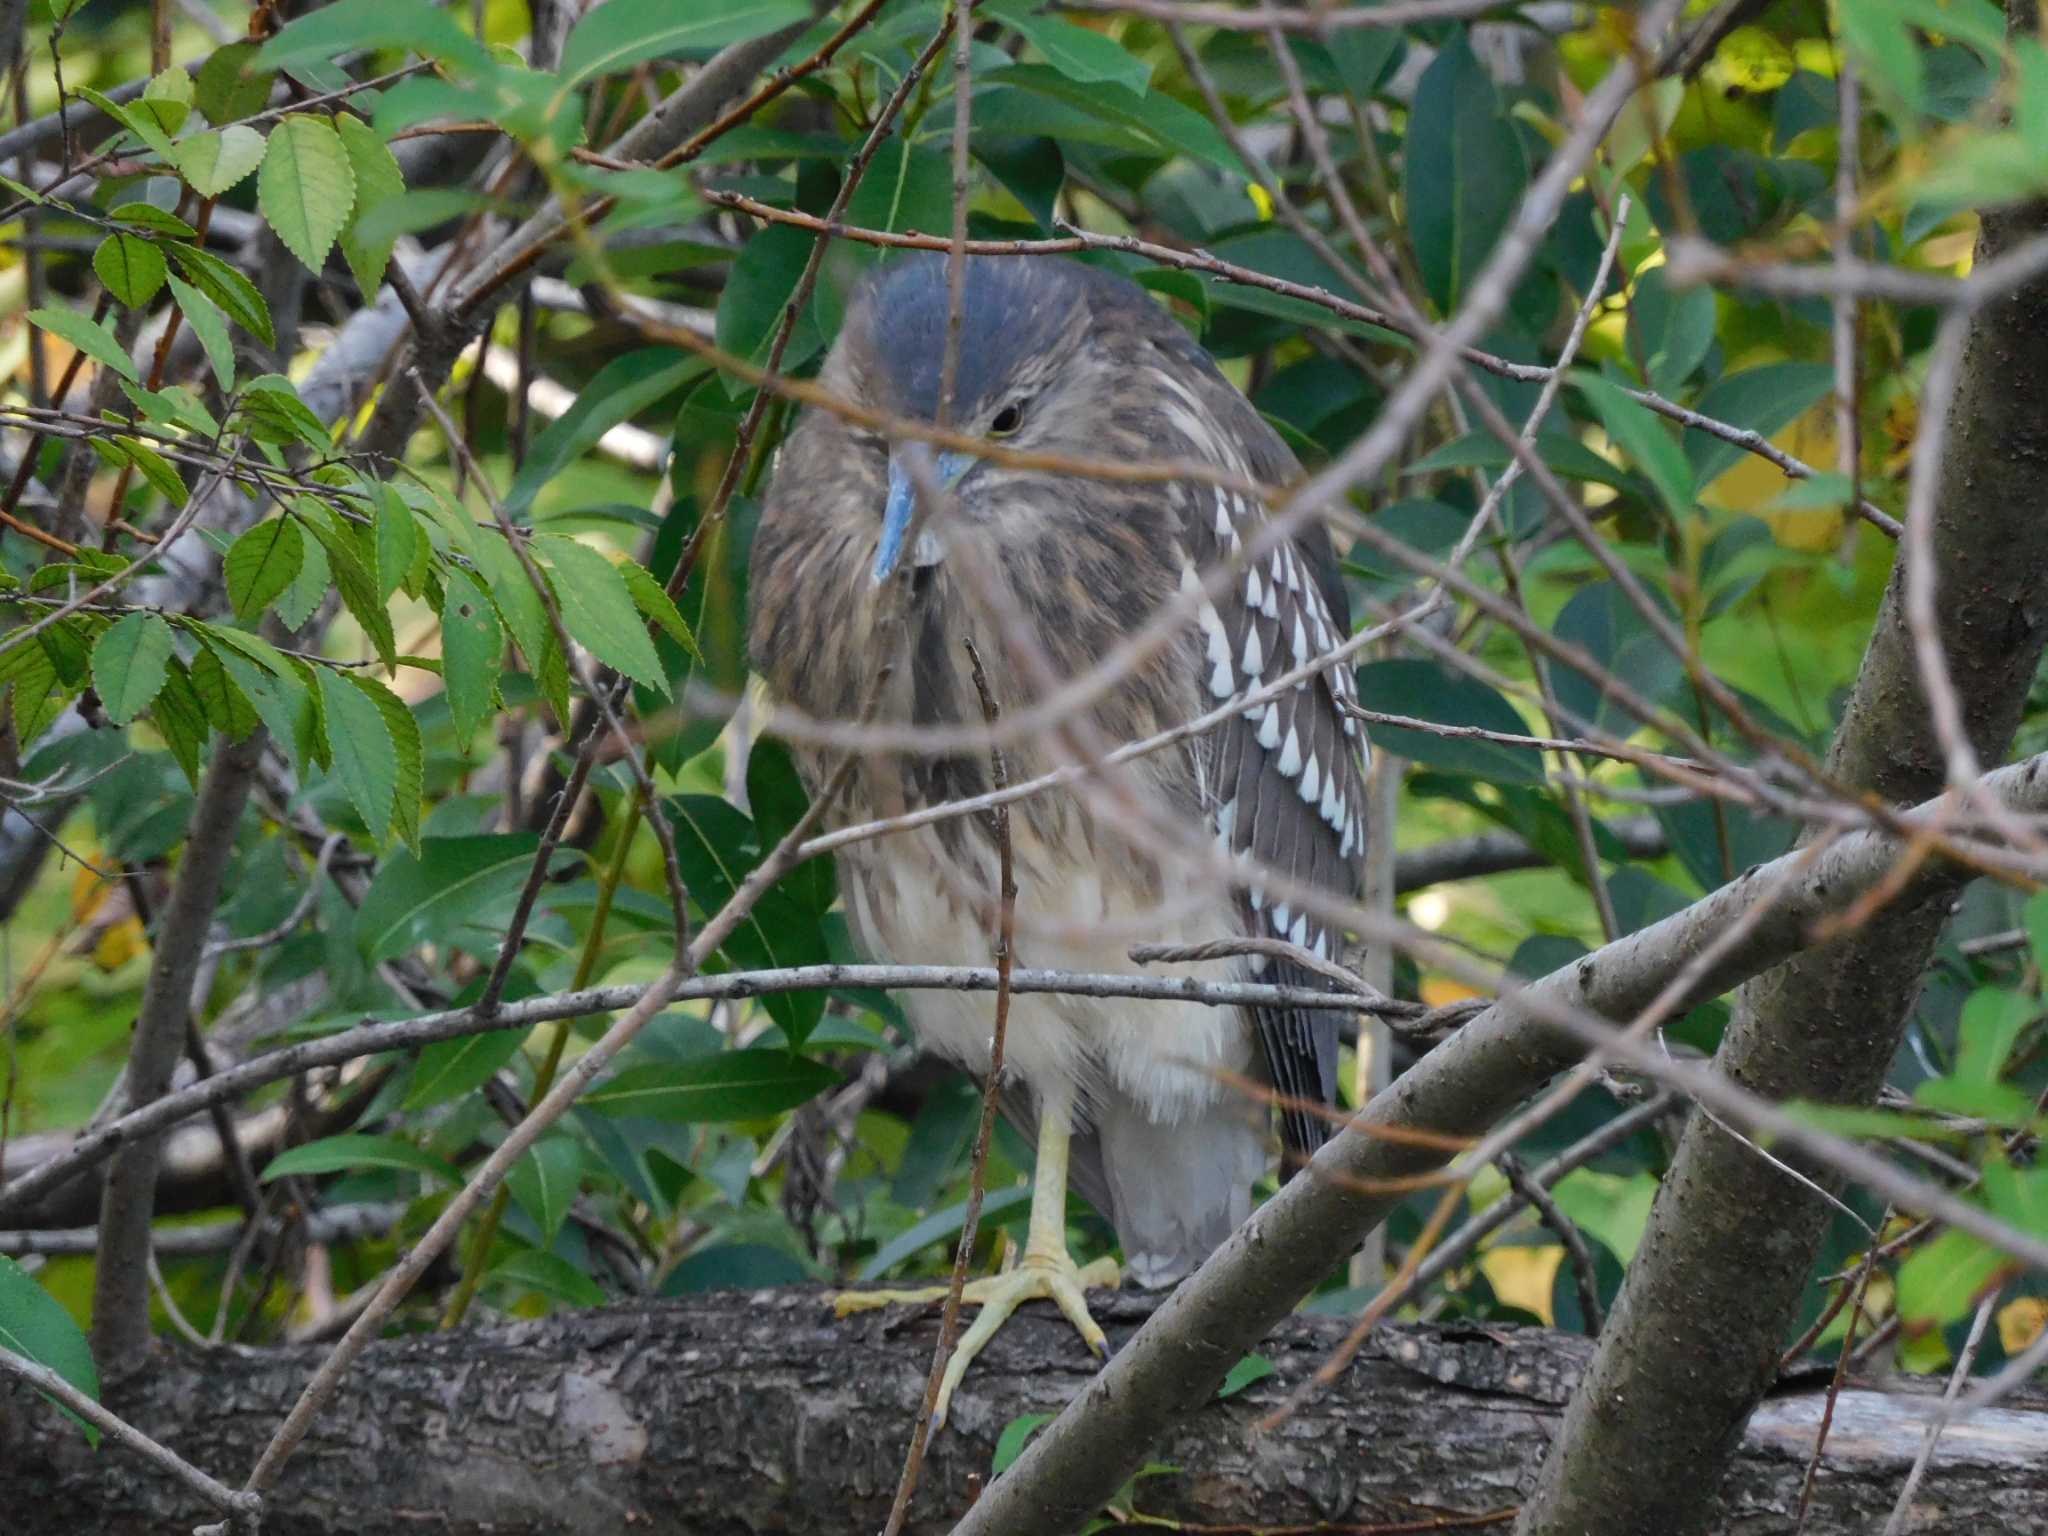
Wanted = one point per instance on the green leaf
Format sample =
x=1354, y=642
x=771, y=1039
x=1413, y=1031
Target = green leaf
x=233, y=293
x=1152, y=123
x=154, y=219
x=358, y=589
x=36, y=1327
x=405, y=741
x=1878, y=39
x=472, y=650
x=1990, y=1025
x=347, y=1154
x=936, y=1227
x=657, y=606
x=1251, y=1368
x=262, y=563
x=759, y=287
x=447, y=1069
x=1086, y=57
x=39, y=696
x=426, y=897
x=128, y=665
x=297, y=603
x=397, y=540
x=230, y=86
x=137, y=120
x=1642, y=437
x=1011, y=1442
x=217, y=161
x=598, y=609
x=1940, y=1282
x=1464, y=171
x=132, y=268
x=306, y=187
x=551, y=1275
x=378, y=181
x=1761, y=400
x=226, y=707
x=545, y=1180
x=1426, y=690
x=1674, y=329
x=89, y=337
x=365, y=761
x=621, y=389
x=733, y=1085
x=210, y=327
x=609, y=40
x=154, y=468
x=350, y=25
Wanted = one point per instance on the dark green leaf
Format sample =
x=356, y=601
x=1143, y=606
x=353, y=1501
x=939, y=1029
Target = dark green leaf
x=451, y=882
x=365, y=759
x=550, y=1275
x=261, y=564
x=447, y=1069
x=1464, y=172
x=232, y=293
x=609, y=40
x=472, y=650
x=378, y=181
x=132, y=268
x=598, y=609
x=621, y=389
x=345, y=1154
x=735, y=1085
x=1427, y=691
x=34, y=1326
x=545, y=1180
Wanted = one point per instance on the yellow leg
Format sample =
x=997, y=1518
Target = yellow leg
x=1046, y=1272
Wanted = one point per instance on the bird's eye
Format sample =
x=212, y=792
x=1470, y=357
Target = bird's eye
x=1008, y=419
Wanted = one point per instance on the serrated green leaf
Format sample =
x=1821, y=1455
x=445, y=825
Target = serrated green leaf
x=658, y=607
x=349, y=25
x=447, y=1069
x=36, y=1327
x=271, y=410
x=306, y=187
x=141, y=123
x=378, y=181
x=603, y=44
x=358, y=589
x=472, y=649
x=365, y=759
x=227, y=708
x=180, y=718
x=39, y=697
x=397, y=537
x=156, y=469
x=409, y=782
x=234, y=294
x=211, y=327
x=229, y=86
x=598, y=609
x=128, y=665
x=545, y=1180
x=156, y=220
x=299, y=601
x=89, y=337
x=132, y=268
x=262, y=563
x=217, y=161
x=733, y=1085
x=347, y=1154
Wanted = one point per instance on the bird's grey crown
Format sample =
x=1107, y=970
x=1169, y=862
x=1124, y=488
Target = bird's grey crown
x=1010, y=310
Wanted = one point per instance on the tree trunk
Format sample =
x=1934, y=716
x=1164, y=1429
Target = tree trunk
x=1731, y=1242
x=739, y=1413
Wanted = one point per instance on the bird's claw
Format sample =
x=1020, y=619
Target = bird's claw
x=1053, y=1277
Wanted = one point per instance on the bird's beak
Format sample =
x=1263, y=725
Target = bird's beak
x=896, y=516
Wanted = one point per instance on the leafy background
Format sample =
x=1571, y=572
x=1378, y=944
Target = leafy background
x=384, y=632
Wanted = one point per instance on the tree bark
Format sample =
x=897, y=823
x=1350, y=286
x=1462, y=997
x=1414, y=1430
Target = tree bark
x=1731, y=1242
x=739, y=1413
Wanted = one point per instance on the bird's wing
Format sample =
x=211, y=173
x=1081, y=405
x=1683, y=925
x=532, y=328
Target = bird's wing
x=1288, y=776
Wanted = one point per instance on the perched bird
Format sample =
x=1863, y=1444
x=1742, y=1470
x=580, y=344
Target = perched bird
x=1130, y=1099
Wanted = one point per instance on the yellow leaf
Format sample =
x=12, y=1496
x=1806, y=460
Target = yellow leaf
x=1523, y=1277
x=118, y=944
x=2020, y=1322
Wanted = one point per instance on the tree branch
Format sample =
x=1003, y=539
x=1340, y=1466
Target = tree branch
x=120, y=1308
x=732, y=1414
x=1459, y=1089
x=1710, y=1299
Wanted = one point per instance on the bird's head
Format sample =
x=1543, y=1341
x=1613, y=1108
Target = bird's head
x=1023, y=330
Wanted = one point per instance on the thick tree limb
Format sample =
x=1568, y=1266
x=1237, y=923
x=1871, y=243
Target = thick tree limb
x=739, y=1413
x=1173, y=1365
x=1730, y=1243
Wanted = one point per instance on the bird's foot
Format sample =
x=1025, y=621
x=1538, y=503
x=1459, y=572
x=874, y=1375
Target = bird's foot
x=1053, y=1277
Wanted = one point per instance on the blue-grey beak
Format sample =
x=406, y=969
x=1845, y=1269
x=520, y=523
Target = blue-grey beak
x=896, y=516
